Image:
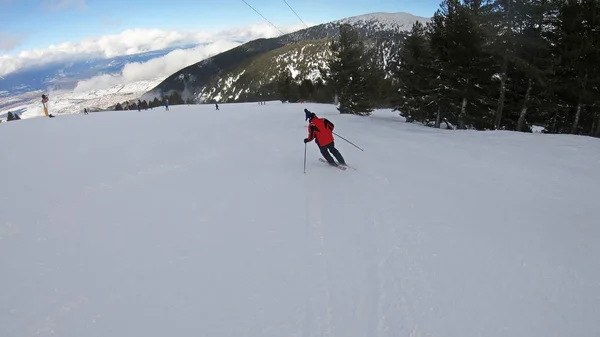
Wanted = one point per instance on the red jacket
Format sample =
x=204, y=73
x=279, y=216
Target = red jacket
x=321, y=129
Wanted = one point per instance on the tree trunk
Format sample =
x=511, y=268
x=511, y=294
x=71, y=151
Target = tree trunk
x=501, y=98
x=461, y=116
x=521, y=121
x=500, y=107
x=438, y=119
x=579, y=104
x=577, y=115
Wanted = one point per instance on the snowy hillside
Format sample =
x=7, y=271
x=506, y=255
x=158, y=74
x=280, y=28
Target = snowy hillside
x=251, y=79
x=220, y=77
x=196, y=222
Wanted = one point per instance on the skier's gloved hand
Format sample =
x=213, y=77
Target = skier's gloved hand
x=305, y=140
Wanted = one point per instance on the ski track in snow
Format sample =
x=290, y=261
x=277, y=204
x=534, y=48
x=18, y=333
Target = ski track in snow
x=202, y=222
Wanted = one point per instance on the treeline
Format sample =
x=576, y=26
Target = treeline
x=355, y=68
x=174, y=99
x=319, y=91
x=480, y=64
x=505, y=64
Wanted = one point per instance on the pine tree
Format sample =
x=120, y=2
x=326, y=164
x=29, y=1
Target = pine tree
x=323, y=92
x=531, y=60
x=284, y=85
x=413, y=73
x=175, y=98
x=305, y=90
x=502, y=36
x=346, y=73
x=577, y=52
x=465, y=67
x=379, y=69
x=440, y=78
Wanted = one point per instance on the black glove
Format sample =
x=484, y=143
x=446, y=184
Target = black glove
x=305, y=140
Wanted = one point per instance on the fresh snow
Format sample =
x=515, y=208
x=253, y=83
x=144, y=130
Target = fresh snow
x=196, y=222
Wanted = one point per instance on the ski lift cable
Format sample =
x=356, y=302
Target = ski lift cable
x=263, y=17
x=298, y=16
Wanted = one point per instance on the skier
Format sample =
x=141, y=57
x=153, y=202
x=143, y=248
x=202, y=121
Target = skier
x=45, y=100
x=320, y=129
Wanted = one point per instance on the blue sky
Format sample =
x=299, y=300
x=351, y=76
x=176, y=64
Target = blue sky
x=35, y=24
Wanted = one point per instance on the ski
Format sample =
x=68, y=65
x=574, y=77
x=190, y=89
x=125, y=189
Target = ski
x=341, y=167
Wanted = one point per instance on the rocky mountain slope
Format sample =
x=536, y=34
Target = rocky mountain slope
x=249, y=72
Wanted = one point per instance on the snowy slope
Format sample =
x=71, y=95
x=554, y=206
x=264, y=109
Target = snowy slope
x=196, y=222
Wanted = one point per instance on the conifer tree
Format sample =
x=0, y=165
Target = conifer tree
x=464, y=64
x=284, y=85
x=346, y=72
x=577, y=52
x=440, y=77
x=413, y=73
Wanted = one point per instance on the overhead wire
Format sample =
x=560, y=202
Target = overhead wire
x=263, y=17
x=298, y=16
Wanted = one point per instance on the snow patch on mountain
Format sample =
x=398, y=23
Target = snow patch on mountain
x=302, y=62
x=385, y=21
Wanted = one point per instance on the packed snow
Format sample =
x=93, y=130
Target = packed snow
x=201, y=222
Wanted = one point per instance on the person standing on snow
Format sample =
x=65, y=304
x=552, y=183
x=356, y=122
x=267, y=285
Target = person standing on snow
x=321, y=130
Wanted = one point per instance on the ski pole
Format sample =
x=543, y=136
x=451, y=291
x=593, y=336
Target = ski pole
x=348, y=141
x=304, y=158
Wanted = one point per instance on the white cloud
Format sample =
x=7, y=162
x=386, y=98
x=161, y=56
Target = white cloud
x=98, y=83
x=155, y=68
x=133, y=41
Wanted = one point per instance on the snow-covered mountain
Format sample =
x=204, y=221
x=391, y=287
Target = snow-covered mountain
x=382, y=21
x=240, y=73
x=253, y=79
x=247, y=72
x=196, y=222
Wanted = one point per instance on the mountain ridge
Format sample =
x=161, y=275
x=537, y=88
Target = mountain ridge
x=211, y=79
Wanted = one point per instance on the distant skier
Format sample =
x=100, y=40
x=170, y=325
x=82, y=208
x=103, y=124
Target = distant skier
x=217, y=106
x=321, y=130
x=45, y=100
x=166, y=104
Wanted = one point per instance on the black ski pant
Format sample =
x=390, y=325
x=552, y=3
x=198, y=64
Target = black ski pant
x=331, y=148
